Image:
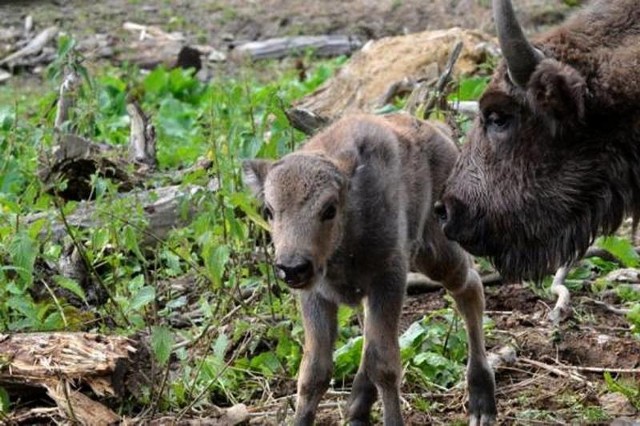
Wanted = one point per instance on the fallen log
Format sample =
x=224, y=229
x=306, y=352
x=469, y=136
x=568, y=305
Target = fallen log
x=56, y=361
x=384, y=68
x=37, y=359
x=75, y=160
x=155, y=47
x=162, y=208
x=277, y=48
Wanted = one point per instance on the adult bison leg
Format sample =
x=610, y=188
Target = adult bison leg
x=446, y=262
x=319, y=317
x=380, y=368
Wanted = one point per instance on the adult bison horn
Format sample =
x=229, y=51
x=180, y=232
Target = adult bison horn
x=520, y=55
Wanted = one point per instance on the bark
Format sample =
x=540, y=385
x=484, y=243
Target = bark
x=55, y=361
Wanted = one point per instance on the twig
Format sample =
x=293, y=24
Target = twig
x=555, y=370
x=56, y=302
x=613, y=309
x=142, y=138
x=602, y=369
x=65, y=101
x=444, y=79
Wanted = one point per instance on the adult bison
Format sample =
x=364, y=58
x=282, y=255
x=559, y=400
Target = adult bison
x=554, y=157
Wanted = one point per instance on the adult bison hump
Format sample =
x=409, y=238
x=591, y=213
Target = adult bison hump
x=553, y=158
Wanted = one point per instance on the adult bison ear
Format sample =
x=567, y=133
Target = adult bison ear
x=558, y=90
x=254, y=172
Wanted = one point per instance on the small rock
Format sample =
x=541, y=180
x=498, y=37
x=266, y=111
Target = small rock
x=217, y=56
x=616, y=404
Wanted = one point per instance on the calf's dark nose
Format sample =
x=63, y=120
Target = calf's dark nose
x=295, y=272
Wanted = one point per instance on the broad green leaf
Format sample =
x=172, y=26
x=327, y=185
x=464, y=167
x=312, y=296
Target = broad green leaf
x=70, y=285
x=347, y=357
x=415, y=331
x=215, y=262
x=267, y=363
x=246, y=204
x=65, y=44
x=220, y=346
x=131, y=241
x=23, y=251
x=5, y=402
x=156, y=82
x=470, y=89
x=142, y=298
x=620, y=248
x=161, y=343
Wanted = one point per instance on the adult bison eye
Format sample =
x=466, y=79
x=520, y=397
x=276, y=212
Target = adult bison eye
x=329, y=212
x=497, y=122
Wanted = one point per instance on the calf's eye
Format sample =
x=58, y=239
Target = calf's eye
x=329, y=212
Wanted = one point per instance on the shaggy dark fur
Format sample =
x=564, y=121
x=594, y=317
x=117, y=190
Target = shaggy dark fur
x=553, y=163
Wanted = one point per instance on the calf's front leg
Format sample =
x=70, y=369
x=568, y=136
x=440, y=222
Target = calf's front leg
x=319, y=318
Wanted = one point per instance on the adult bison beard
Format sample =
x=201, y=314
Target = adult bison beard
x=531, y=219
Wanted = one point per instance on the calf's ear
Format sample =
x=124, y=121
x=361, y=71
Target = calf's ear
x=346, y=161
x=254, y=173
x=558, y=90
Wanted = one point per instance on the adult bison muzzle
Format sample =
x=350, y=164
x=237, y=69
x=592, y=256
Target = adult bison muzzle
x=349, y=212
x=554, y=157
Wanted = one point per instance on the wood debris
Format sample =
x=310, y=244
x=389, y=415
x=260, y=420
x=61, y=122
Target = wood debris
x=382, y=68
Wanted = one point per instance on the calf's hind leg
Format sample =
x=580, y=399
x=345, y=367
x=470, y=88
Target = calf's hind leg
x=445, y=261
x=380, y=367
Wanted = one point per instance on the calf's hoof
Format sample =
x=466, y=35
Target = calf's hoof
x=482, y=400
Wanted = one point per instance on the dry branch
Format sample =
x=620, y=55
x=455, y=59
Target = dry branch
x=34, y=47
x=426, y=100
x=65, y=100
x=79, y=407
x=142, y=139
x=163, y=210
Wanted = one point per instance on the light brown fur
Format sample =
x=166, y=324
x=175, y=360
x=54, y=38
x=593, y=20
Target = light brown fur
x=350, y=211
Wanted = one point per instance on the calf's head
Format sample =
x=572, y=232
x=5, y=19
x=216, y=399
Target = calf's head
x=303, y=197
x=532, y=187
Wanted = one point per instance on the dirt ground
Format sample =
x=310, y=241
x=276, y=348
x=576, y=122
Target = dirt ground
x=558, y=374
x=220, y=22
x=557, y=378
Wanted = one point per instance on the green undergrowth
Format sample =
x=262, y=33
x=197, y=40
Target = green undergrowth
x=221, y=329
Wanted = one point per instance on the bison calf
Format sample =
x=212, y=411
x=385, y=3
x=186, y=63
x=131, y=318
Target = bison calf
x=349, y=212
